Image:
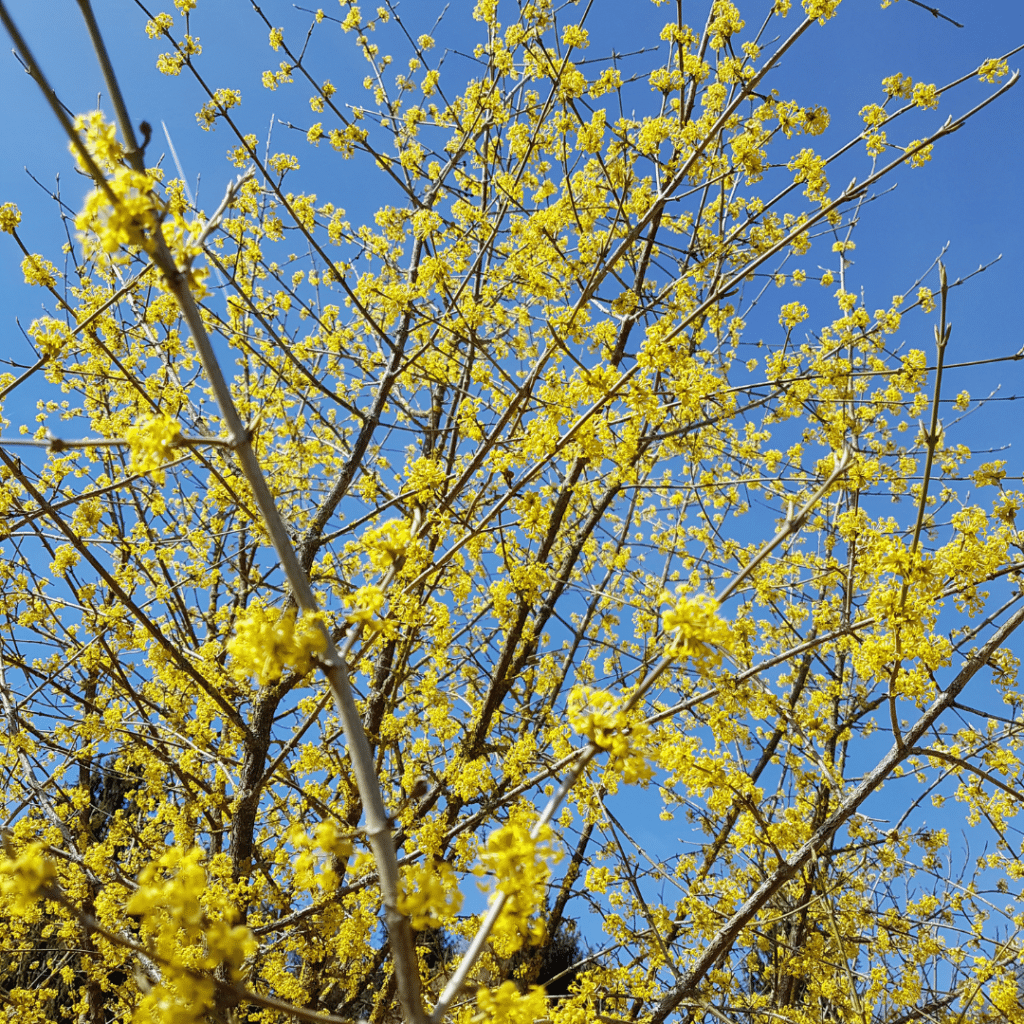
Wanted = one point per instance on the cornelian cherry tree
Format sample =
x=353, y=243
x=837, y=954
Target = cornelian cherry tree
x=369, y=590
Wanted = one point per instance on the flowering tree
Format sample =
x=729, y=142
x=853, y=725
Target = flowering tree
x=367, y=566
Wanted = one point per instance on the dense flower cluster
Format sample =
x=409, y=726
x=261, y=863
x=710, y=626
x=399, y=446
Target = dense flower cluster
x=507, y=1005
x=267, y=641
x=50, y=335
x=10, y=218
x=151, y=440
x=386, y=543
x=24, y=877
x=189, y=930
x=329, y=845
x=603, y=719
x=430, y=894
x=698, y=632
x=522, y=866
x=39, y=271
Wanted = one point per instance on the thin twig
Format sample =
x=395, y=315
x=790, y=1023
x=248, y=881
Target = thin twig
x=936, y=13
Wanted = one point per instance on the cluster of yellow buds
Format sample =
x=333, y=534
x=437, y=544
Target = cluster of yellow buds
x=600, y=717
x=266, y=642
x=176, y=915
x=699, y=633
x=430, y=894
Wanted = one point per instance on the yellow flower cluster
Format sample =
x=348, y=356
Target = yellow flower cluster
x=170, y=63
x=386, y=543
x=50, y=335
x=792, y=313
x=810, y=168
x=65, y=558
x=177, y=894
x=223, y=100
x=158, y=25
x=133, y=217
x=990, y=474
x=993, y=69
x=506, y=1005
x=345, y=140
x=39, y=271
x=700, y=633
x=821, y=9
x=272, y=79
x=266, y=642
x=425, y=476
x=172, y=902
x=132, y=220
x=327, y=839
x=24, y=877
x=600, y=717
x=100, y=138
x=918, y=156
x=925, y=96
x=726, y=22
x=151, y=441
x=364, y=604
x=10, y=218
x=520, y=863
x=430, y=894
x=898, y=85
x=1005, y=995
x=575, y=35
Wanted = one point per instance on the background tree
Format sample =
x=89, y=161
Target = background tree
x=361, y=565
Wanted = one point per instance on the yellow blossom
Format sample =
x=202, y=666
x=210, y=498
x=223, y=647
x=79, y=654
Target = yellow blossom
x=430, y=894
x=919, y=154
x=993, y=69
x=925, y=96
x=898, y=85
x=821, y=9
x=50, y=335
x=10, y=218
x=521, y=864
x=698, y=632
x=792, y=313
x=266, y=642
x=23, y=878
x=131, y=220
x=506, y=1005
x=39, y=271
x=151, y=441
x=364, y=604
x=159, y=24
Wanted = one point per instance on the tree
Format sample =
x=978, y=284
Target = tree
x=366, y=564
